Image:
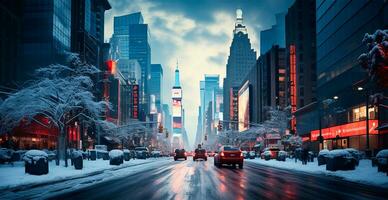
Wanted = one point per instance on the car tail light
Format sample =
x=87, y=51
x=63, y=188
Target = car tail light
x=241, y=154
x=185, y=153
x=222, y=154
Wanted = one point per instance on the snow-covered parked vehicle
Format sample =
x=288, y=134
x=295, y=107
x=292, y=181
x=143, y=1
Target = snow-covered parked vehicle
x=382, y=161
x=322, y=157
x=252, y=154
x=282, y=155
x=156, y=154
x=6, y=155
x=36, y=162
x=116, y=157
x=340, y=159
x=142, y=153
x=266, y=155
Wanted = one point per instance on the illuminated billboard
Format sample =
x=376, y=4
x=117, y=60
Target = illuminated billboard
x=153, y=109
x=243, y=107
x=177, y=122
x=176, y=108
x=135, y=102
x=176, y=93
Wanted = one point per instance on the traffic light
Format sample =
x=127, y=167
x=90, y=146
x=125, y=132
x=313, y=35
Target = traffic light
x=160, y=129
x=205, y=137
x=219, y=126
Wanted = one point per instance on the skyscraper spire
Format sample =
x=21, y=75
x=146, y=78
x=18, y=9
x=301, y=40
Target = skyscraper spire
x=239, y=25
x=177, y=80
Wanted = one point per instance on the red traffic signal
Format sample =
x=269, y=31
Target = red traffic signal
x=160, y=129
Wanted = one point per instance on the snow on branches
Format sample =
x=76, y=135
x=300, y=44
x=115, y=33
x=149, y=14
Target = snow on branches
x=57, y=93
x=375, y=61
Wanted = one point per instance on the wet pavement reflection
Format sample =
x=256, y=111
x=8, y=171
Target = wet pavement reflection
x=202, y=180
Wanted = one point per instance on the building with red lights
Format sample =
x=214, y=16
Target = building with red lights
x=343, y=115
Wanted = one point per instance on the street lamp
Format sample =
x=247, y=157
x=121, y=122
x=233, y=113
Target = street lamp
x=360, y=88
x=335, y=97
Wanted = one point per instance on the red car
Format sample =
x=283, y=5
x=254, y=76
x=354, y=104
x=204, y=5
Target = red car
x=229, y=155
x=200, y=154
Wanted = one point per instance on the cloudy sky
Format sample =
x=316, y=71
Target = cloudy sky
x=198, y=34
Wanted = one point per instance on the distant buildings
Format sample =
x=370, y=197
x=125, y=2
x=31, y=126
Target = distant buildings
x=177, y=112
x=156, y=88
x=130, y=40
x=240, y=61
x=276, y=35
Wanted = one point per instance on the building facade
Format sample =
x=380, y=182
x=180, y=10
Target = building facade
x=301, y=56
x=276, y=35
x=130, y=40
x=240, y=61
x=156, y=87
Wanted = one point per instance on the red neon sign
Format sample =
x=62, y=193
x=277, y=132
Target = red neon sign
x=135, y=101
x=346, y=130
x=293, y=85
x=111, y=65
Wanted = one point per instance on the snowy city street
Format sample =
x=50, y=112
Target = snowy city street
x=165, y=178
x=193, y=99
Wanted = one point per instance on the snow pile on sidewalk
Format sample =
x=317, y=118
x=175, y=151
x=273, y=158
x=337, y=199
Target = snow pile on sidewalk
x=13, y=176
x=364, y=173
x=115, y=153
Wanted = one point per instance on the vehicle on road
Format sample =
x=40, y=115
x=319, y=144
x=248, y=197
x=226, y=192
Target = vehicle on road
x=272, y=152
x=229, y=155
x=245, y=154
x=252, y=154
x=156, y=154
x=180, y=153
x=142, y=153
x=200, y=154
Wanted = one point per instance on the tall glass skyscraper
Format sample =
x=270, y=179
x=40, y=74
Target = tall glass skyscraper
x=240, y=61
x=156, y=84
x=130, y=40
x=46, y=32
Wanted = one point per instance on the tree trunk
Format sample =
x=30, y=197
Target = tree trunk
x=61, y=145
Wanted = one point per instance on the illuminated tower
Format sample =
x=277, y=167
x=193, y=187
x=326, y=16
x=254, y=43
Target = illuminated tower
x=177, y=123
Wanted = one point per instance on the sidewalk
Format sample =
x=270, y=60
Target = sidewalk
x=364, y=173
x=14, y=177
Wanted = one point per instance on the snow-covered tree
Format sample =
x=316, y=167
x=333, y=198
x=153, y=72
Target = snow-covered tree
x=59, y=93
x=375, y=61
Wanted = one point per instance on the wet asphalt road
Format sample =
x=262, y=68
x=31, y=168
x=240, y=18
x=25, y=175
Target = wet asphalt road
x=202, y=180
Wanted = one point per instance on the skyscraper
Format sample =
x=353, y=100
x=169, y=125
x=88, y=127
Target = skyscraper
x=276, y=35
x=156, y=85
x=177, y=111
x=46, y=33
x=130, y=40
x=240, y=61
x=87, y=31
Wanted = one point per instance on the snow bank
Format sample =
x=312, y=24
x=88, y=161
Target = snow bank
x=126, y=151
x=282, y=153
x=76, y=154
x=338, y=153
x=34, y=155
x=364, y=172
x=14, y=176
x=382, y=154
x=323, y=152
x=115, y=153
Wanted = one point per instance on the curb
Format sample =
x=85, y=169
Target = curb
x=74, y=177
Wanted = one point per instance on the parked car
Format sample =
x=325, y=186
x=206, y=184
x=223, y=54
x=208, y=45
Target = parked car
x=229, y=155
x=245, y=154
x=382, y=161
x=340, y=159
x=155, y=154
x=272, y=152
x=322, y=157
x=142, y=153
x=266, y=155
x=6, y=155
x=282, y=155
x=180, y=153
x=200, y=154
x=252, y=154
